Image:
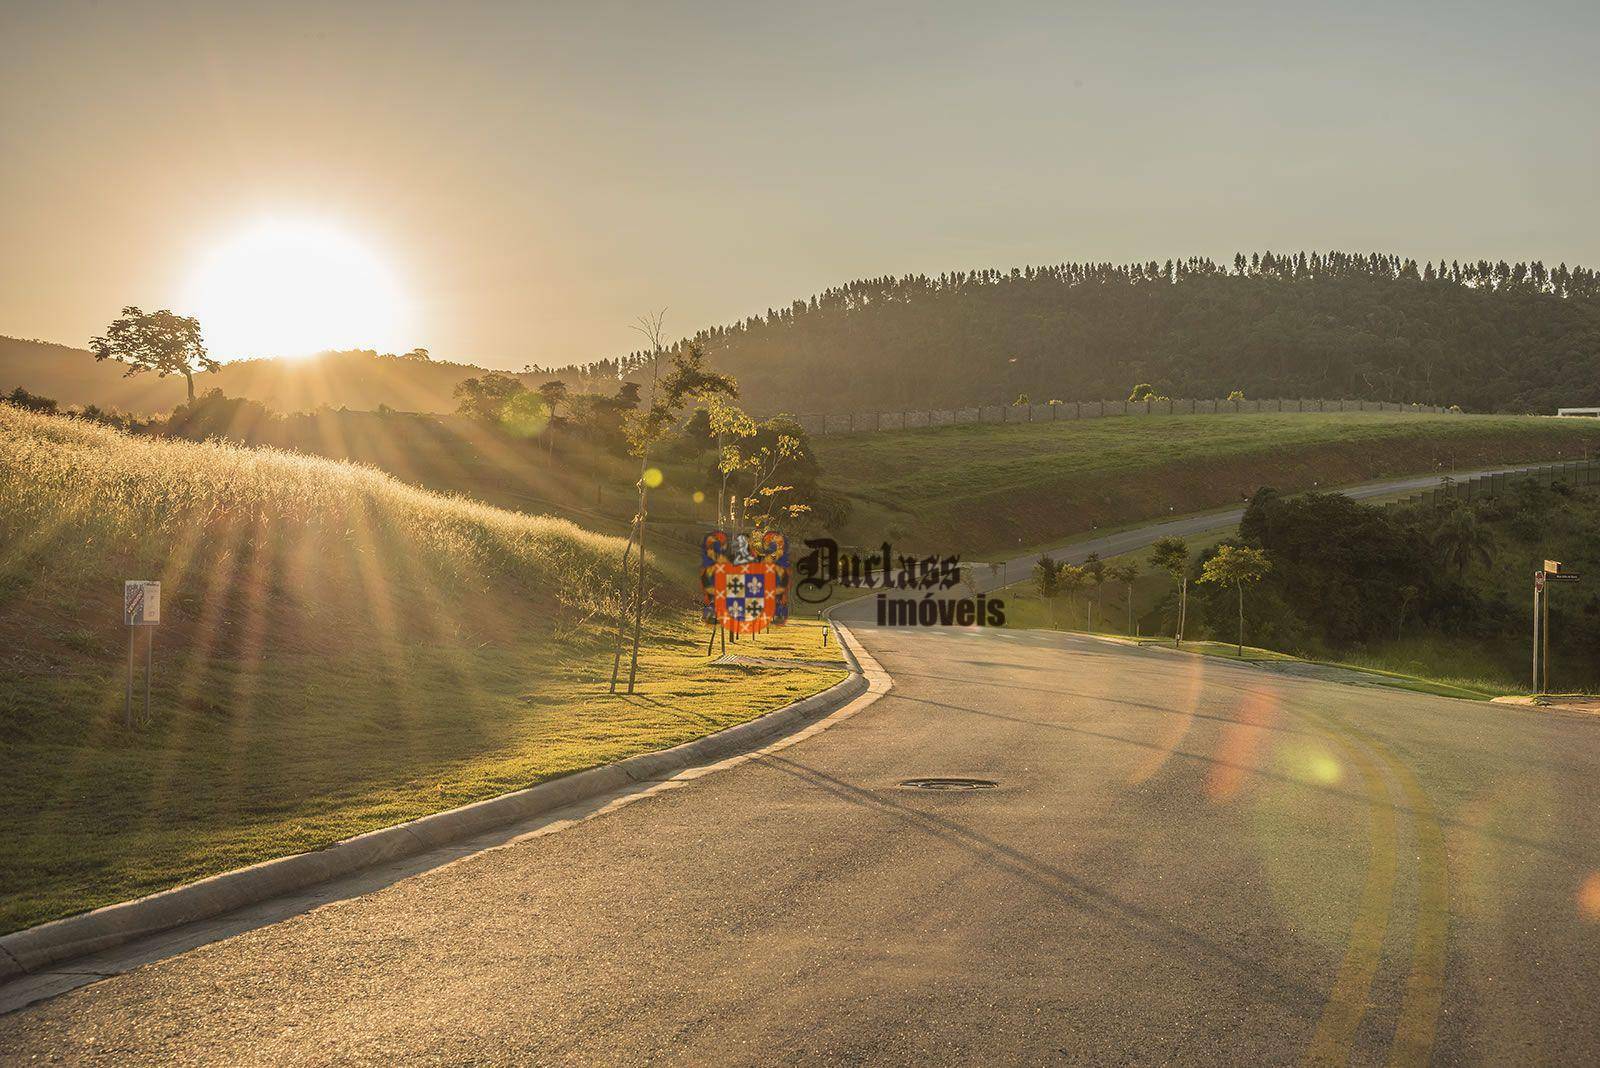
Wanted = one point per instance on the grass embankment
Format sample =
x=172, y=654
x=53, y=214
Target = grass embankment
x=1522, y=528
x=984, y=490
x=1026, y=610
x=340, y=652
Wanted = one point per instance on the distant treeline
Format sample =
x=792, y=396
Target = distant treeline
x=1490, y=336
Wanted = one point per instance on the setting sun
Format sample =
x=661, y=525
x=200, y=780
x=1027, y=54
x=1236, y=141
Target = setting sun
x=294, y=287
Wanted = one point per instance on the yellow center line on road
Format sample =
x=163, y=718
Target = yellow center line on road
x=1417, y=1024
x=1351, y=995
x=1424, y=992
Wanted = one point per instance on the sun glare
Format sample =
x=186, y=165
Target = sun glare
x=292, y=288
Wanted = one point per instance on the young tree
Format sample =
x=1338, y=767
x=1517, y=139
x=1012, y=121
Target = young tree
x=1071, y=578
x=1047, y=581
x=1171, y=554
x=728, y=423
x=688, y=380
x=552, y=393
x=156, y=341
x=1237, y=566
x=1094, y=574
x=1125, y=573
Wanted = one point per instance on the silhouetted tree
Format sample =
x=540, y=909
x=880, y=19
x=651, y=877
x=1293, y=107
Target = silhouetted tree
x=156, y=341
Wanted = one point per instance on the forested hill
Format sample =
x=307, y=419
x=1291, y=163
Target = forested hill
x=1487, y=336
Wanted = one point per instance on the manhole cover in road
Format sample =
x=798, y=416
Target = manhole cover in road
x=946, y=783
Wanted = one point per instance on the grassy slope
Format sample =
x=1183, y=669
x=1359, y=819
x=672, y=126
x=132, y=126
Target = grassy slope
x=590, y=486
x=1424, y=664
x=982, y=490
x=1524, y=533
x=341, y=651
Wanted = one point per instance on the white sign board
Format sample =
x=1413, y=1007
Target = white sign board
x=141, y=603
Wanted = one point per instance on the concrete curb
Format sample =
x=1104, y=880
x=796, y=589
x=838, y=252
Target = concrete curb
x=35, y=948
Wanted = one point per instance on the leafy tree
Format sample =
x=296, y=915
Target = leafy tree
x=1236, y=395
x=750, y=457
x=1171, y=554
x=553, y=393
x=485, y=398
x=156, y=341
x=1237, y=566
x=1071, y=579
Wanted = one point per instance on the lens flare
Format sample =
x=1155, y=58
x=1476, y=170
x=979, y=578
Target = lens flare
x=1238, y=750
x=1589, y=898
x=1313, y=763
x=653, y=477
x=525, y=415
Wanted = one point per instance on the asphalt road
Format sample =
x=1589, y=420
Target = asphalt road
x=1185, y=860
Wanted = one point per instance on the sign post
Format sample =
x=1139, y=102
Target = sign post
x=141, y=607
x=1553, y=572
x=1538, y=597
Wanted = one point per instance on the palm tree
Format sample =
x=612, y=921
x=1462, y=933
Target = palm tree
x=1461, y=539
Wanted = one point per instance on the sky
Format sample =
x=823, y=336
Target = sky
x=532, y=177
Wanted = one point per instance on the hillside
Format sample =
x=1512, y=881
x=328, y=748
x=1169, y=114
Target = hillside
x=339, y=651
x=73, y=377
x=1491, y=337
x=990, y=491
x=360, y=380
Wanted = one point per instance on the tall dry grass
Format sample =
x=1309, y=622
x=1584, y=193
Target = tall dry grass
x=78, y=495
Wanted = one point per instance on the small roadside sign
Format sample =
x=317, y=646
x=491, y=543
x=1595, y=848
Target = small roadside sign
x=1561, y=576
x=1538, y=580
x=1552, y=567
x=141, y=607
x=141, y=603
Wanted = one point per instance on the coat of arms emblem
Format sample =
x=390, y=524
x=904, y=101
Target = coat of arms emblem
x=745, y=580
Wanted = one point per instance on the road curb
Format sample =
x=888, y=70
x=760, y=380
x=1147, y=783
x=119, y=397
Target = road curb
x=36, y=948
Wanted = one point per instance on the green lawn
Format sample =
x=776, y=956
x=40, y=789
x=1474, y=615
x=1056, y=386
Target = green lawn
x=339, y=652
x=986, y=489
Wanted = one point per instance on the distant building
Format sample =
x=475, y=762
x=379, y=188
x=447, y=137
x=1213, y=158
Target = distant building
x=1592, y=413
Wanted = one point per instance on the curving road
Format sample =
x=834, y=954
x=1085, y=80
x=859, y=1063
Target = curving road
x=1184, y=861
